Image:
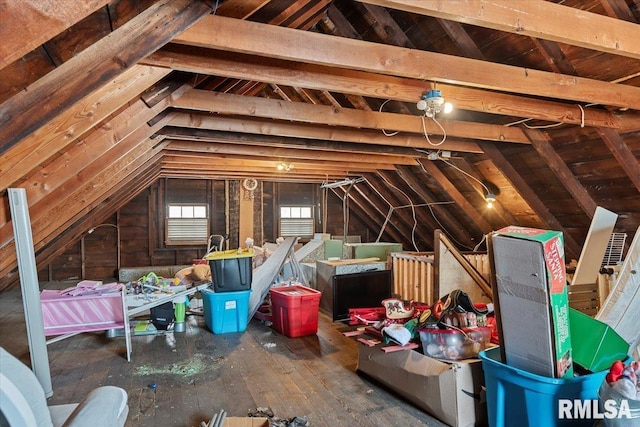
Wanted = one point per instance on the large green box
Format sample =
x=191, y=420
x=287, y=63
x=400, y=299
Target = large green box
x=378, y=250
x=532, y=294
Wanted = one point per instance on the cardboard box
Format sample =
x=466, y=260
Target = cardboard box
x=380, y=250
x=448, y=390
x=532, y=298
x=246, y=422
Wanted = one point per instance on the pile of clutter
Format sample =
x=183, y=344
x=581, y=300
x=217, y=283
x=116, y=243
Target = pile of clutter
x=452, y=328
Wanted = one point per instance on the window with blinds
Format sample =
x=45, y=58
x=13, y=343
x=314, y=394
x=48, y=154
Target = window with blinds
x=187, y=225
x=296, y=221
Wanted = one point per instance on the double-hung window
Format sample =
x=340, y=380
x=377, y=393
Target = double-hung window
x=296, y=221
x=187, y=224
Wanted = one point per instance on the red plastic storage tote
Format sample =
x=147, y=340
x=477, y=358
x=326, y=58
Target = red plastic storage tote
x=294, y=310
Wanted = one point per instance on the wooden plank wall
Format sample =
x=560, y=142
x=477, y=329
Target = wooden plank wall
x=141, y=225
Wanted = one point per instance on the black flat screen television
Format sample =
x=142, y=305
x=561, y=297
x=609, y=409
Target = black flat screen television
x=359, y=290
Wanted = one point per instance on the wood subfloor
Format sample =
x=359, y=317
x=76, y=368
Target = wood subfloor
x=181, y=379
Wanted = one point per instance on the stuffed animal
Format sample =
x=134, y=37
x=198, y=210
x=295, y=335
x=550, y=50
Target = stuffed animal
x=193, y=274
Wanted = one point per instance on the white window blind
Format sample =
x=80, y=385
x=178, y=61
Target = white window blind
x=187, y=225
x=296, y=221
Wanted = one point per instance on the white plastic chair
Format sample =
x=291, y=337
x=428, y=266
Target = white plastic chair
x=23, y=401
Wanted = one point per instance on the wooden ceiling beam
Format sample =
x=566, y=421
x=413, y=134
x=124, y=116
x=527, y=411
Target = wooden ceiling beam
x=248, y=163
x=552, y=53
x=65, y=211
x=92, y=68
x=61, y=175
x=241, y=9
x=373, y=85
x=225, y=103
x=618, y=9
x=186, y=140
x=28, y=24
x=218, y=32
x=283, y=154
x=259, y=126
x=262, y=176
x=535, y=18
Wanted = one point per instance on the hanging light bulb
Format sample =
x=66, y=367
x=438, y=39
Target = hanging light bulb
x=490, y=199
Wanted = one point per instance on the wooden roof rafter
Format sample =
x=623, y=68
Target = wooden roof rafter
x=26, y=111
x=536, y=18
x=291, y=154
x=528, y=194
x=222, y=103
x=477, y=220
x=437, y=209
x=380, y=86
x=259, y=126
x=275, y=42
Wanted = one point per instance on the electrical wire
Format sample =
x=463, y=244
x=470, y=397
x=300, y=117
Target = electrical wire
x=384, y=224
x=435, y=217
x=552, y=125
x=383, y=130
x=444, y=229
x=467, y=174
x=426, y=135
x=413, y=213
x=484, y=237
x=524, y=121
x=388, y=203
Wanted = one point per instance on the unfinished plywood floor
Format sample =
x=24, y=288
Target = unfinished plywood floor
x=197, y=373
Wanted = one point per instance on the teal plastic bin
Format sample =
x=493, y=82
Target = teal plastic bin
x=519, y=398
x=225, y=312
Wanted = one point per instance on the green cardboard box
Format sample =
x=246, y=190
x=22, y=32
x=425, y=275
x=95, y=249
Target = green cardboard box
x=532, y=294
x=595, y=345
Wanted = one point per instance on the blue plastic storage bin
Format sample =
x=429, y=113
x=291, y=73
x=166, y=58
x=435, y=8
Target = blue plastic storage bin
x=226, y=312
x=519, y=398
